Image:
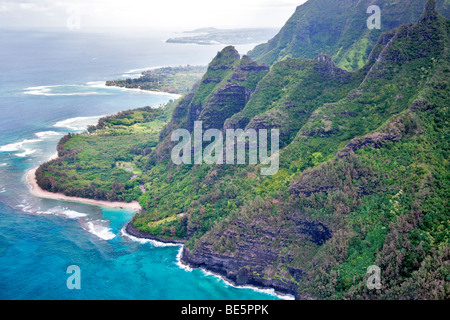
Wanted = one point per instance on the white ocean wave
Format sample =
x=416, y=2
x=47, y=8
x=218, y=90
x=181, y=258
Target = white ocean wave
x=17, y=146
x=2, y=190
x=3, y=164
x=50, y=91
x=20, y=147
x=64, y=212
x=77, y=123
x=57, y=211
x=26, y=153
x=136, y=73
x=271, y=292
x=46, y=134
x=97, y=84
x=97, y=228
x=144, y=241
x=25, y=207
x=71, y=214
x=180, y=264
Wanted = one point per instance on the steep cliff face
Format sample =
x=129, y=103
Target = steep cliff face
x=223, y=91
x=260, y=247
x=233, y=94
x=293, y=89
x=373, y=197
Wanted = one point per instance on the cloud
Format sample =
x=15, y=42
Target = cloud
x=8, y=5
x=168, y=14
x=31, y=6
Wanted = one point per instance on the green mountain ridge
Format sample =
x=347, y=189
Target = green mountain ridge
x=338, y=28
x=380, y=198
x=363, y=176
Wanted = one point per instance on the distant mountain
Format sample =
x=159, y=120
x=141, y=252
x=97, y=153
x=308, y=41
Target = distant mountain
x=339, y=28
x=213, y=36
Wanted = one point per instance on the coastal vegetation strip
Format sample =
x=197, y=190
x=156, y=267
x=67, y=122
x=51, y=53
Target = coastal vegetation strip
x=40, y=193
x=106, y=162
x=175, y=80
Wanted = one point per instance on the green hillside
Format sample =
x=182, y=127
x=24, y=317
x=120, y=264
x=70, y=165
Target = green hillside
x=339, y=29
x=364, y=172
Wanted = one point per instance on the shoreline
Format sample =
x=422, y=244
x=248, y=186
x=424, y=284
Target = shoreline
x=131, y=230
x=136, y=235
x=102, y=84
x=186, y=259
x=37, y=191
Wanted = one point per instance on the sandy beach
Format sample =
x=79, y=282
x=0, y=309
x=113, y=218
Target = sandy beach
x=40, y=193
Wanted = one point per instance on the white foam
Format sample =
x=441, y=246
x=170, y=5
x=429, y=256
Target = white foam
x=131, y=75
x=97, y=84
x=185, y=267
x=27, y=152
x=77, y=123
x=11, y=147
x=64, y=212
x=3, y=164
x=47, y=91
x=180, y=264
x=71, y=214
x=144, y=241
x=271, y=292
x=46, y=134
x=20, y=146
x=96, y=228
x=136, y=73
x=40, y=90
x=2, y=190
x=268, y=291
x=139, y=70
x=25, y=208
x=17, y=146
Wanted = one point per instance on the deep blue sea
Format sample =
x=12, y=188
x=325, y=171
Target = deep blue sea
x=51, y=83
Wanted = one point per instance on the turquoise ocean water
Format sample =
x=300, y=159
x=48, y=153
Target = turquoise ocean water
x=51, y=84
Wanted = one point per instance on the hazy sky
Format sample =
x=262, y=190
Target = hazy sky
x=166, y=14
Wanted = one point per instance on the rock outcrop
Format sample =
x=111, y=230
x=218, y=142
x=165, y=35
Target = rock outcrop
x=252, y=258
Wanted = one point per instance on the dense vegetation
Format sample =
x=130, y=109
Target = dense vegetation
x=177, y=80
x=338, y=28
x=104, y=164
x=363, y=179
